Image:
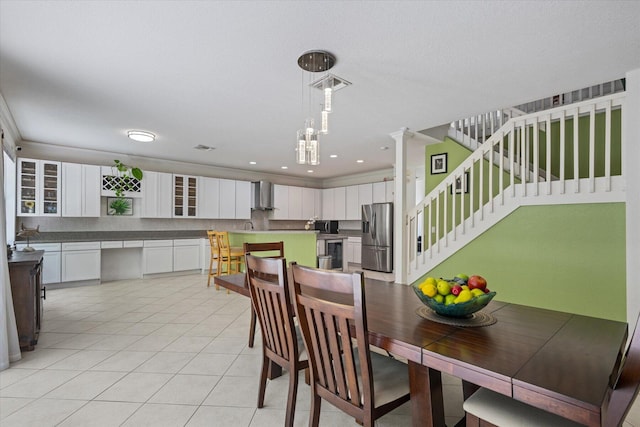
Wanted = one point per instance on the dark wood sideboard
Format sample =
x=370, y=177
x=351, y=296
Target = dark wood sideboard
x=25, y=272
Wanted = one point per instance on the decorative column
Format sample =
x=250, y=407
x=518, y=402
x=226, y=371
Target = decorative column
x=399, y=207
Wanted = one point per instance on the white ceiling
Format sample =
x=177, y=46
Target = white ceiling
x=225, y=73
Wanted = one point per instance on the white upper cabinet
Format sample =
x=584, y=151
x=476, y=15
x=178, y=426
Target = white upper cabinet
x=209, y=198
x=185, y=196
x=157, y=199
x=38, y=188
x=227, y=199
x=243, y=200
x=327, y=203
x=280, y=202
x=111, y=179
x=390, y=191
x=353, y=204
x=295, y=203
x=80, y=190
x=379, y=192
x=310, y=203
x=339, y=203
x=365, y=194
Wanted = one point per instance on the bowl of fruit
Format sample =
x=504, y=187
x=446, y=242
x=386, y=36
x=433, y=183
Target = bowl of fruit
x=458, y=297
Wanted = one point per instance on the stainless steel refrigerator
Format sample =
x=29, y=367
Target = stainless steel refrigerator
x=377, y=237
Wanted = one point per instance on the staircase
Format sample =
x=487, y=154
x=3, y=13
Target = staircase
x=575, y=148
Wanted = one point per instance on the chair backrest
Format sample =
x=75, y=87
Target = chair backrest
x=223, y=243
x=270, y=296
x=276, y=249
x=328, y=303
x=213, y=241
x=627, y=385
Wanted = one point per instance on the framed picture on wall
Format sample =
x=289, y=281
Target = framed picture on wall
x=438, y=163
x=462, y=185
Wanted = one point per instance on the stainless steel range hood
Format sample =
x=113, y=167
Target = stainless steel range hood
x=262, y=195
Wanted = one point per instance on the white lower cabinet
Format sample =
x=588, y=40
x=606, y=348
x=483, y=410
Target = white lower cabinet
x=51, y=260
x=186, y=254
x=354, y=250
x=157, y=256
x=80, y=261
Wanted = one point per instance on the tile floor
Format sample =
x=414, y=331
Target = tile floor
x=159, y=352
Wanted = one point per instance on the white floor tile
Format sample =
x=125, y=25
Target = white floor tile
x=9, y=405
x=207, y=416
x=160, y=415
x=135, y=387
x=38, y=384
x=209, y=364
x=166, y=362
x=85, y=386
x=42, y=413
x=99, y=414
x=83, y=360
x=186, y=390
x=234, y=391
x=124, y=361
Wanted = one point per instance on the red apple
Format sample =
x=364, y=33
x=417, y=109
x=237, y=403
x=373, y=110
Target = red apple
x=486, y=290
x=455, y=289
x=477, y=282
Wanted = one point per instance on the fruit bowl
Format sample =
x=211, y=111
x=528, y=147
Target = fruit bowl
x=464, y=309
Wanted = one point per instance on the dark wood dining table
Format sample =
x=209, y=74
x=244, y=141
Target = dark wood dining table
x=560, y=362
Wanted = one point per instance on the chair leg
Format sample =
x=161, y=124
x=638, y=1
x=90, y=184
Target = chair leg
x=314, y=416
x=263, y=380
x=307, y=376
x=252, y=328
x=291, y=398
x=210, y=274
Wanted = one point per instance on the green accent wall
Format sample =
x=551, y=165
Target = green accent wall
x=298, y=247
x=562, y=257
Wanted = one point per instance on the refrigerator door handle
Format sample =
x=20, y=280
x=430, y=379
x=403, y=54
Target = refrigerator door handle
x=373, y=225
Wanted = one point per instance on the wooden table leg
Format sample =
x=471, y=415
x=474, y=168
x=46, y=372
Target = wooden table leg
x=427, y=403
x=275, y=371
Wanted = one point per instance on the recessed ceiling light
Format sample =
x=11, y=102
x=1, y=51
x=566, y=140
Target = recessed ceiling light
x=384, y=148
x=359, y=161
x=284, y=167
x=333, y=156
x=310, y=171
x=141, y=136
x=252, y=163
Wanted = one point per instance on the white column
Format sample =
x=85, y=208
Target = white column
x=631, y=172
x=399, y=207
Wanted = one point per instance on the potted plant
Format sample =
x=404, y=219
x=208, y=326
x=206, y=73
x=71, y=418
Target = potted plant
x=123, y=182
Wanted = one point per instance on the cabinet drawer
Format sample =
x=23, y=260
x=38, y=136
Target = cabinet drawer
x=132, y=243
x=115, y=244
x=186, y=242
x=47, y=247
x=157, y=243
x=80, y=246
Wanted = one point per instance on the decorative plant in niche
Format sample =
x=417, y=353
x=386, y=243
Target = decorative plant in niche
x=123, y=181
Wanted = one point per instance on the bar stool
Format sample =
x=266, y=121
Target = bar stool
x=215, y=254
x=230, y=259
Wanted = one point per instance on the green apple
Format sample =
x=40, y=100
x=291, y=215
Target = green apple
x=439, y=299
x=449, y=299
x=444, y=288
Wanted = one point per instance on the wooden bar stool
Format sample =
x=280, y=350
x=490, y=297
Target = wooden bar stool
x=215, y=255
x=230, y=259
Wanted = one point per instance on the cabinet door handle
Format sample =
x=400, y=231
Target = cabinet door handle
x=44, y=292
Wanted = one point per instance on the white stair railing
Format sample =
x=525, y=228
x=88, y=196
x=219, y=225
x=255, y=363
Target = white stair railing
x=497, y=177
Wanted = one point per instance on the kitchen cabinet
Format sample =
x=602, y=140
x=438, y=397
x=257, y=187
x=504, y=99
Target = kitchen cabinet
x=185, y=196
x=353, y=205
x=379, y=192
x=243, y=200
x=339, y=203
x=25, y=275
x=111, y=180
x=80, y=261
x=186, y=254
x=310, y=203
x=80, y=190
x=38, y=188
x=51, y=260
x=365, y=194
x=354, y=250
x=280, y=202
x=157, y=256
x=327, y=204
x=295, y=203
x=390, y=191
x=157, y=201
x=227, y=199
x=209, y=200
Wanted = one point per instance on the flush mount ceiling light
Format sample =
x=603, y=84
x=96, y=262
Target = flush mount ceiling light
x=316, y=61
x=141, y=136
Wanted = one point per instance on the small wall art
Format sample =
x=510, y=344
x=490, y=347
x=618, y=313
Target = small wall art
x=438, y=163
x=462, y=185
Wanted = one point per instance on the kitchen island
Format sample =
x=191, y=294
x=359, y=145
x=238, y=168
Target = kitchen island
x=299, y=245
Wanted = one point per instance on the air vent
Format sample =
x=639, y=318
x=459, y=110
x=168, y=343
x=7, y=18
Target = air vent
x=203, y=147
x=330, y=80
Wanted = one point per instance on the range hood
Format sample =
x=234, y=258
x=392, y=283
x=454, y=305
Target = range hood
x=262, y=195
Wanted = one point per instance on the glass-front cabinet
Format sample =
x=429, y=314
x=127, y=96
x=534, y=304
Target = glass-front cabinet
x=38, y=188
x=185, y=196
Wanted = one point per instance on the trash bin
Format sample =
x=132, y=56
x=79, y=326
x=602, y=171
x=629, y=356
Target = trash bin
x=324, y=262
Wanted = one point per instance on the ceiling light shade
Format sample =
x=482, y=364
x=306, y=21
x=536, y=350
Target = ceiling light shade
x=307, y=141
x=141, y=136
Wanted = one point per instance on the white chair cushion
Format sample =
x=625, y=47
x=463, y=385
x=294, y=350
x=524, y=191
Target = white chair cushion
x=390, y=379
x=504, y=411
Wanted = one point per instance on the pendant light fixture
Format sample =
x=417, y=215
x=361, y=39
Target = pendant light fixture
x=316, y=61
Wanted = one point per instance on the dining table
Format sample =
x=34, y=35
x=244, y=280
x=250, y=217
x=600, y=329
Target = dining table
x=560, y=362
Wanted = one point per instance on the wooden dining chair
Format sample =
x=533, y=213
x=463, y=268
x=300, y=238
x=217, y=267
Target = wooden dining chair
x=275, y=250
x=331, y=312
x=213, y=244
x=230, y=258
x=280, y=342
x=486, y=408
